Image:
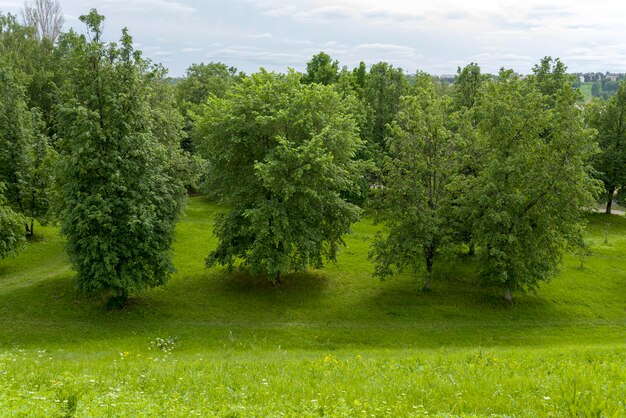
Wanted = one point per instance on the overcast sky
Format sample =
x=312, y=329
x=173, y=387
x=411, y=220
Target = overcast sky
x=433, y=36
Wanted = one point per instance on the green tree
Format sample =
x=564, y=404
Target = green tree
x=119, y=201
x=609, y=118
x=321, y=69
x=596, y=89
x=11, y=235
x=280, y=155
x=413, y=200
x=467, y=85
x=35, y=66
x=530, y=195
x=26, y=159
x=384, y=86
x=201, y=82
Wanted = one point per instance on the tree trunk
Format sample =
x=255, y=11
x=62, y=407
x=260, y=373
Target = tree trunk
x=609, y=200
x=507, y=294
x=277, y=278
x=472, y=249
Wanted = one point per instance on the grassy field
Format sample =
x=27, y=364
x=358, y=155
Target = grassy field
x=333, y=342
x=585, y=89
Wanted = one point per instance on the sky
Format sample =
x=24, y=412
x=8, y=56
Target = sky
x=433, y=36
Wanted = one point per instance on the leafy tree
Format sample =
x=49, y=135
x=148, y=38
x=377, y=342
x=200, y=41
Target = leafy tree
x=467, y=85
x=167, y=125
x=119, y=201
x=609, y=118
x=11, y=235
x=201, y=82
x=360, y=76
x=550, y=76
x=321, y=69
x=413, y=200
x=26, y=159
x=35, y=66
x=384, y=86
x=529, y=197
x=280, y=155
x=596, y=89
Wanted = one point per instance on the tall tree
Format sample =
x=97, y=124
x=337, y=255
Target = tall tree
x=413, y=200
x=35, y=64
x=384, y=86
x=321, y=69
x=45, y=16
x=530, y=195
x=467, y=85
x=26, y=159
x=119, y=201
x=280, y=154
x=609, y=118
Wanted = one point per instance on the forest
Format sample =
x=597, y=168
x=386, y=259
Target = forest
x=301, y=211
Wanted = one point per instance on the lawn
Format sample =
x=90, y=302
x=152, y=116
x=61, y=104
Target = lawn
x=331, y=342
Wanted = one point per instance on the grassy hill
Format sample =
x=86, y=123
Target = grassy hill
x=331, y=342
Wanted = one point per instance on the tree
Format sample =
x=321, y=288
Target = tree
x=26, y=159
x=530, y=195
x=35, y=66
x=384, y=86
x=201, y=82
x=118, y=200
x=413, y=200
x=609, y=118
x=45, y=16
x=467, y=85
x=280, y=155
x=11, y=235
x=321, y=69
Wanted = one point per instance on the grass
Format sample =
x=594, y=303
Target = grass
x=331, y=342
x=585, y=89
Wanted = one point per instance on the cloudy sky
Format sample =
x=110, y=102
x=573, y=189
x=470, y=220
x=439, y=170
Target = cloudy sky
x=433, y=36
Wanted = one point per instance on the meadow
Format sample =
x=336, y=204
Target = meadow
x=331, y=342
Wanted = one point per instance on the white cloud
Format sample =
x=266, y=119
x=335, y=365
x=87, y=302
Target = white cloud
x=260, y=35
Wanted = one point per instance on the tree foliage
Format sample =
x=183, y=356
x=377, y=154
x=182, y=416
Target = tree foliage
x=383, y=88
x=26, y=159
x=414, y=198
x=609, y=118
x=529, y=197
x=280, y=154
x=119, y=200
x=321, y=69
x=11, y=232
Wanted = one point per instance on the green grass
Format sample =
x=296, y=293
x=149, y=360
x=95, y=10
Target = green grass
x=585, y=89
x=329, y=342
